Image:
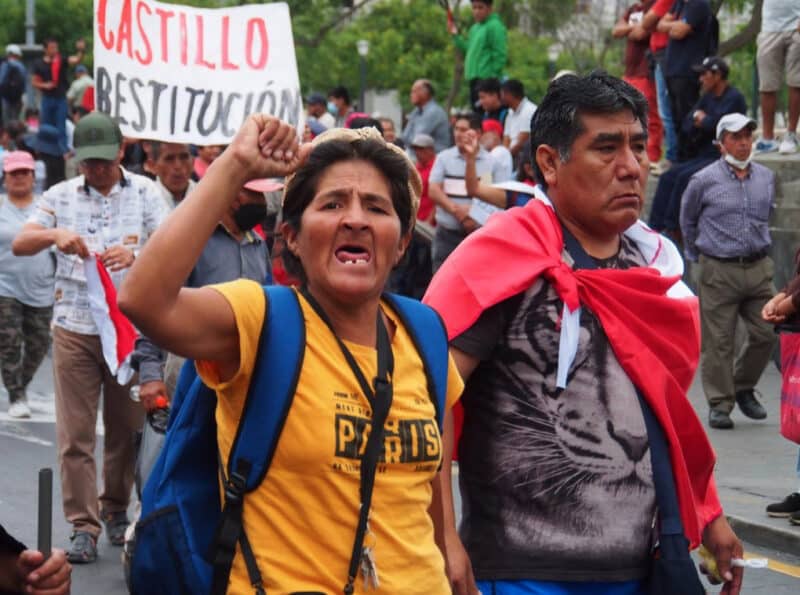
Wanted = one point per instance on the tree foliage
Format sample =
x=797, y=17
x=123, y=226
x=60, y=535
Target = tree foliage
x=408, y=39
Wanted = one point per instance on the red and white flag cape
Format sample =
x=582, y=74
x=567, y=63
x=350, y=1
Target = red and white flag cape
x=117, y=334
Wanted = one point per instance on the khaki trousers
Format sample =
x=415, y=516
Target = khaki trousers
x=728, y=291
x=80, y=373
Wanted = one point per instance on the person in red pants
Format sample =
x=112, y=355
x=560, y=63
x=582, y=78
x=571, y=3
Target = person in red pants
x=638, y=72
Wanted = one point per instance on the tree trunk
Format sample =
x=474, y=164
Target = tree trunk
x=458, y=65
x=458, y=76
x=746, y=35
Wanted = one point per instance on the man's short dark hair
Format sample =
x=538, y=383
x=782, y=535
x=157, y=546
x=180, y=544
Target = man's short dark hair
x=473, y=120
x=340, y=93
x=486, y=2
x=557, y=121
x=491, y=85
x=156, y=147
x=514, y=88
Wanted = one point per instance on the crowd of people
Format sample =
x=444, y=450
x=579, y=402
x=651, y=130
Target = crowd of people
x=565, y=431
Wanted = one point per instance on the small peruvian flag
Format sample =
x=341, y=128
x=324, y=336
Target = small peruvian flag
x=117, y=334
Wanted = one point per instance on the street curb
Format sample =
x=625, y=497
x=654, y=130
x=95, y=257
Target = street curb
x=783, y=540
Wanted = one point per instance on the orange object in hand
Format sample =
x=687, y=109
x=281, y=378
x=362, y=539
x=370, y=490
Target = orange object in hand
x=161, y=402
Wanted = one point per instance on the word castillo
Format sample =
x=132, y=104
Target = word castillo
x=144, y=31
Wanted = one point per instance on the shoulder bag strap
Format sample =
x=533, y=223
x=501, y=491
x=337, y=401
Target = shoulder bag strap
x=380, y=400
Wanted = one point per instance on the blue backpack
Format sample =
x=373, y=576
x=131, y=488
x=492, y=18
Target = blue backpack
x=186, y=539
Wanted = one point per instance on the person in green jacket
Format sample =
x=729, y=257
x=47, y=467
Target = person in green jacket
x=485, y=47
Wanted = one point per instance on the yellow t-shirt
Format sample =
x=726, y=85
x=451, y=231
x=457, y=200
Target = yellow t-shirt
x=301, y=521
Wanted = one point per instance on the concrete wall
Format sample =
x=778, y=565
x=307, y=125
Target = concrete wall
x=785, y=223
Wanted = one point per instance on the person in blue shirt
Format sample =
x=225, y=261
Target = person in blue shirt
x=12, y=69
x=688, y=26
x=698, y=134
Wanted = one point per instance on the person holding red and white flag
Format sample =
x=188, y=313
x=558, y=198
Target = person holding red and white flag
x=97, y=223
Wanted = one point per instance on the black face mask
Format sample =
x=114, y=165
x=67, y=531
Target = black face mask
x=249, y=215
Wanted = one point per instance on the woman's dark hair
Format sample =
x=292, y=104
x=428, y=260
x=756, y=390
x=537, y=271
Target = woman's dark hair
x=557, y=121
x=523, y=159
x=302, y=187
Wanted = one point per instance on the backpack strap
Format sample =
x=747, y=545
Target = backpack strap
x=428, y=333
x=269, y=397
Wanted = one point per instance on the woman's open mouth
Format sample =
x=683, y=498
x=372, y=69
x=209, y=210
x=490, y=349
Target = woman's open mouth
x=353, y=254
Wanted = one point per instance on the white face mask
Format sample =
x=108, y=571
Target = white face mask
x=738, y=163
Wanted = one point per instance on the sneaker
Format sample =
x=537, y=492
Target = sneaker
x=794, y=518
x=788, y=144
x=83, y=548
x=749, y=405
x=786, y=508
x=116, y=523
x=766, y=145
x=719, y=420
x=19, y=409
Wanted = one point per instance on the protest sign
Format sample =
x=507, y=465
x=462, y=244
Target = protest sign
x=182, y=74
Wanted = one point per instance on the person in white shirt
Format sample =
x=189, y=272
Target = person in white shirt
x=172, y=163
x=517, y=129
x=107, y=213
x=491, y=140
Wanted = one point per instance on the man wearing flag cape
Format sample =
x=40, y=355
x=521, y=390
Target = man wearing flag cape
x=578, y=341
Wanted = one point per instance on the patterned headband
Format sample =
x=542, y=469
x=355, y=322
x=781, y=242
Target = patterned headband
x=352, y=135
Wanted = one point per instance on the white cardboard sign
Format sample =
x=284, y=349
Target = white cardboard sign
x=182, y=74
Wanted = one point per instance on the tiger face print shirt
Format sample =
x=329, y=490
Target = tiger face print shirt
x=556, y=484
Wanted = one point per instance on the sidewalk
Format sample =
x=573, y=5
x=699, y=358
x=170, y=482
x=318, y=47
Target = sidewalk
x=755, y=466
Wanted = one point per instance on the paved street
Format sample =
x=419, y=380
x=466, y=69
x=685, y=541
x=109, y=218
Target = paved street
x=756, y=466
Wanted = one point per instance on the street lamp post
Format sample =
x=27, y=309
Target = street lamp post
x=363, y=49
x=552, y=55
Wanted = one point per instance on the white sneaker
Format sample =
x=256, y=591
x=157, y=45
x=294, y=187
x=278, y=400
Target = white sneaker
x=19, y=409
x=788, y=144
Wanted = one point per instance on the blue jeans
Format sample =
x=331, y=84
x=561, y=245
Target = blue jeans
x=54, y=112
x=559, y=588
x=664, y=110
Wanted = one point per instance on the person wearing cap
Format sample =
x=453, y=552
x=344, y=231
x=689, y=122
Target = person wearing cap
x=234, y=251
x=317, y=108
x=778, y=55
x=448, y=189
x=427, y=117
x=349, y=208
x=725, y=223
x=688, y=26
x=109, y=213
x=78, y=87
x=492, y=140
x=49, y=77
x=26, y=288
x=699, y=141
x=13, y=77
